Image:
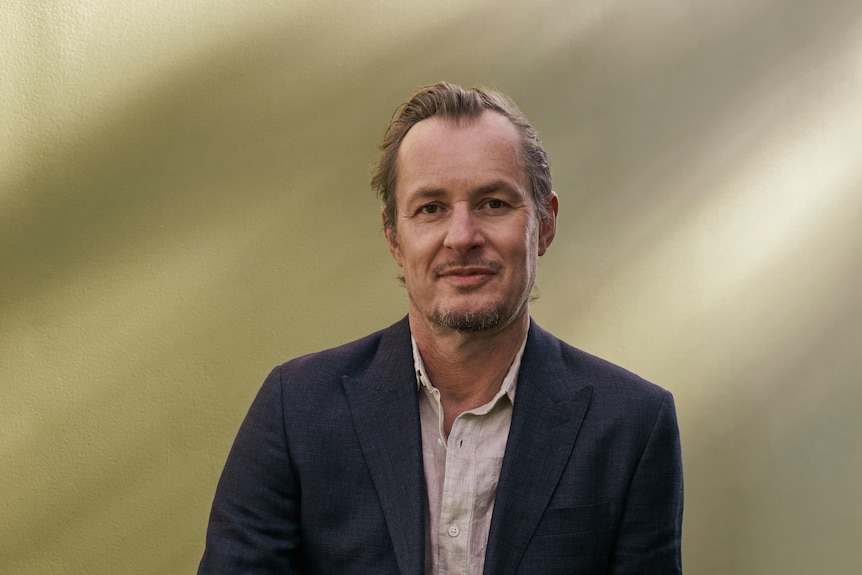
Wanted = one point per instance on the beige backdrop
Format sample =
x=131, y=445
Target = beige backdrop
x=184, y=204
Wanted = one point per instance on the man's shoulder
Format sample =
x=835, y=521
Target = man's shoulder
x=351, y=358
x=621, y=401
x=581, y=368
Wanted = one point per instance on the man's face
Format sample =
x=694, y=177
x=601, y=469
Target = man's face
x=466, y=233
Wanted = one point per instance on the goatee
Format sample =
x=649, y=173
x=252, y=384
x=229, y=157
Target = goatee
x=468, y=321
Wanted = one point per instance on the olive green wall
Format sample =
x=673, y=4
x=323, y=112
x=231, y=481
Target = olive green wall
x=184, y=204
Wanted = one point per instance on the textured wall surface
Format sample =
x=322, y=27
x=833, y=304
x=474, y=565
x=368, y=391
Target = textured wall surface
x=184, y=204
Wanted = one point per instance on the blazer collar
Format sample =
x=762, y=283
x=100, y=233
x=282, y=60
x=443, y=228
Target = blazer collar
x=549, y=410
x=385, y=410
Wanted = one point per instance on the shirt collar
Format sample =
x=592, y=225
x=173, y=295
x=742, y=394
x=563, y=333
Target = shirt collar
x=507, y=387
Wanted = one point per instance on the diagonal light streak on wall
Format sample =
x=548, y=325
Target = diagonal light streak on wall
x=184, y=203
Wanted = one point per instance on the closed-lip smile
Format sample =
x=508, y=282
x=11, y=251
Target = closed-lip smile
x=467, y=276
x=467, y=271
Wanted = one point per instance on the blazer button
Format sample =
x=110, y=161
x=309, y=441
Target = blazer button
x=453, y=530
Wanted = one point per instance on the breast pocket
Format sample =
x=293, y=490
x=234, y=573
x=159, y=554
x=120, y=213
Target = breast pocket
x=574, y=520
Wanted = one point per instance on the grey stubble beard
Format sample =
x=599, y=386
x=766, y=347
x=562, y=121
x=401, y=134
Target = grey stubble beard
x=470, y=321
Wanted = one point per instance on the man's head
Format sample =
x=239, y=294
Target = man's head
x=461, y=213
x=453, y=103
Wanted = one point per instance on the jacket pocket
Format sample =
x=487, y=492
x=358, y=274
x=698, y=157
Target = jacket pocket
x=573, y=520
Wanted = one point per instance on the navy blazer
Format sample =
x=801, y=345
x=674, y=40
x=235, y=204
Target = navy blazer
x=325, y=475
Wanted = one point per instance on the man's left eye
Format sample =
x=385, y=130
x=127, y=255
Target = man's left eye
x=495, y=204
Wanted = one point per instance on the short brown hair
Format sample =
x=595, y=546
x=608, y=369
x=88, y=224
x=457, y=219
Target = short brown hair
x=453, y=102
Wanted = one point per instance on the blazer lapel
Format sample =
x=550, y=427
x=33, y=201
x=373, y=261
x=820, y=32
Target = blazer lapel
x=546, y=419
x=385, y=410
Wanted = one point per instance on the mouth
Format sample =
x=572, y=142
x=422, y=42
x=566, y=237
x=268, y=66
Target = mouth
x=468, y=276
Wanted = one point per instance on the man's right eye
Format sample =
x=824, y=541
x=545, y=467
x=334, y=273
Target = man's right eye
x=429, y=209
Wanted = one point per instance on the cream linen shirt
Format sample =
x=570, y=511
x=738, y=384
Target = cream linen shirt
x=461, y=474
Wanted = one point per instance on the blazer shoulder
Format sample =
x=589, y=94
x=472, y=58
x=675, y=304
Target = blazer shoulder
x=353, y=358
x=609, y=374
x=609, y=381
x=625, y=409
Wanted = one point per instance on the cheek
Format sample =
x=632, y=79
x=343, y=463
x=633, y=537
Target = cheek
x=416, y=254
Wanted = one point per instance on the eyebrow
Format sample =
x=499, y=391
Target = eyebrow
x=493, y=187
x=423, y=193
x=497, y=185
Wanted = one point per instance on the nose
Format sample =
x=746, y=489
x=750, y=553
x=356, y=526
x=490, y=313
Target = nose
x=464, y=232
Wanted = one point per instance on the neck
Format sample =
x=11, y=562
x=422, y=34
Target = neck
x=467, y=367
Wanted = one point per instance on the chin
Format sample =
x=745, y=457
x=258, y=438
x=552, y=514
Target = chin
x=470, y=319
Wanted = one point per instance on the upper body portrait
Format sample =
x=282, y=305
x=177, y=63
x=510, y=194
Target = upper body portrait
x=464, y=438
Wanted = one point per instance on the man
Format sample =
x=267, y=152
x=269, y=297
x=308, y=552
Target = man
x=463, y=439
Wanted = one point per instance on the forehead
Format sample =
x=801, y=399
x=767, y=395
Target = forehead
x=456, y=154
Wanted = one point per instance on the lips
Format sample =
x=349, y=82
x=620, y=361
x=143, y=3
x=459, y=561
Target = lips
x=472, y=275
x=467, y=267
x=467, y=272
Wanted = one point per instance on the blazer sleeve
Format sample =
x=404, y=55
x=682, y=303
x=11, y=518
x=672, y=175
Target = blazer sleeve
x=650, y=535
x=254, y=524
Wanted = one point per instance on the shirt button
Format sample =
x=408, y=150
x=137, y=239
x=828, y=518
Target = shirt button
x=453, y=530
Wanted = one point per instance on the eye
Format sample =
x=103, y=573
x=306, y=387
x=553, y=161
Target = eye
x=495, y=204
x=429, y=209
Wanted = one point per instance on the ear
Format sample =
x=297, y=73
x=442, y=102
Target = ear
x=391, y=237
x=548, y=229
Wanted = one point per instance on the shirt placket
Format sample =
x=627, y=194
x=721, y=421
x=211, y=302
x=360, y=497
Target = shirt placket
x=456, y=513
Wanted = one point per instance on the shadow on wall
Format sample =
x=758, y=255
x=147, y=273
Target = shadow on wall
x=144, y=255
